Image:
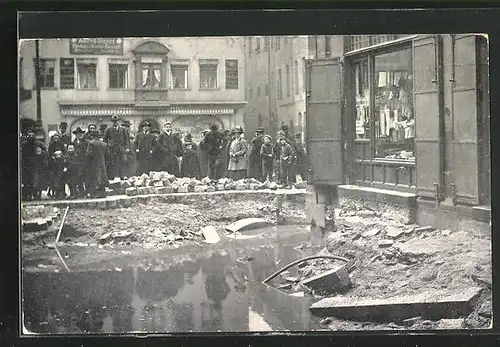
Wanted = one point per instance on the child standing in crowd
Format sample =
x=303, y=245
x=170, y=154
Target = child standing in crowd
x=286, y=154
x=266, y=152
x=190, y=166
x=57, y=173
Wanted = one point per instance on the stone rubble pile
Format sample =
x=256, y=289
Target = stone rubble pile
x=165, y=183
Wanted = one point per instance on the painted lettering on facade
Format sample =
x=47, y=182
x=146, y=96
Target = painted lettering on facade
x=97, y=46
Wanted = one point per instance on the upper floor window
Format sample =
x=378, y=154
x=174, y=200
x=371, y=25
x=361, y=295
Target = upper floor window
x=47, y=73
x=267, y=89
x=231, y=74
x=208, y=74
x=118, y=74
x=179, y=74
x=86, y=73
x=151, y=73
x=287, y=76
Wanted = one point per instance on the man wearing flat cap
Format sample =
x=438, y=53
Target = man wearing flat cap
x=80, y=143
x=96, y=166
x=143, y=144
x=114, y=137
x=170, y=147
x=255, y=159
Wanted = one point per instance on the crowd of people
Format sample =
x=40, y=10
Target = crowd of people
x=86, y=164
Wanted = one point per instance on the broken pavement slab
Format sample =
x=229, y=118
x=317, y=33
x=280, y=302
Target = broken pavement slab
x=210, y=234
x=451, y=324
x=385, y=243
x=371, y=233
x=430, y=305
x=248, y=224
x=336, y=280
x=393, y=232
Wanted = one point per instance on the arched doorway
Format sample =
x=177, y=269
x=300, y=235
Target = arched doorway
x=195, y=125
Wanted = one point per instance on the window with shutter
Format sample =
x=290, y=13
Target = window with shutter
x=232, y=74
x=67, y=73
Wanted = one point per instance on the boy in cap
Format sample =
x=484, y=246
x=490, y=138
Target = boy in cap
x=286, y=161
x=267, y=154
x=190, y=166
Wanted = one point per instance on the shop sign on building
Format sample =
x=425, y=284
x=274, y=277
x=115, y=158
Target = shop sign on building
x=97, y=46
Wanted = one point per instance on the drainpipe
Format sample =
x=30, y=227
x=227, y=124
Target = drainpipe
x=37, y=87
x=269, y=79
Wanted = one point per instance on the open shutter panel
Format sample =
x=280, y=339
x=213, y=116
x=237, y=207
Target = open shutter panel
x=324, y=121
x=428, y=115
x=465, y=140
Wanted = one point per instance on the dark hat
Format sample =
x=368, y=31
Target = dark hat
x=146, y=124
x=115, y=118
x=126, y=123
x=155, y=131
x=260, y=130
x=78, y=131
x=63, y=125
x=188, y=137
x=284, y=127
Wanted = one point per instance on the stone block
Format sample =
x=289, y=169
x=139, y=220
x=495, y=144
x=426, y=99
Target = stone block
x=211, y=189
x=160, y=190
x=240, y=186
x=200, y=189
x=432, y=305
x=151, y=190
x=451, y=324
x=126, y=184
x=248, y=224
x=332, y=281
x=132, y=191
x=109, y=192
x=139, y=182
x=371, y=233
x=120, y=190
x=220, y=187
x=273, y=186
x=254, y=186
x=385, y=243
x=142, y=190
x=393, y=232
x=210, y=234
x=158, y=184
x=182, y=189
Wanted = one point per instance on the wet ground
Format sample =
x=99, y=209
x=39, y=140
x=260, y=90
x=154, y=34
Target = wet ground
x=206, y=288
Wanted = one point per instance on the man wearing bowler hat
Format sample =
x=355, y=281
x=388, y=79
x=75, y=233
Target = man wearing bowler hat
x=143, y=144
x=255, y=159
x=114, y=137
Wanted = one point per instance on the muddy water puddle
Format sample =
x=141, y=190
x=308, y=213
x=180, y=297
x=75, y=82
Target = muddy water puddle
x=199, y=288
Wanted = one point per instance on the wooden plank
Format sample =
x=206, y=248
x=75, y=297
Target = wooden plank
x=430, y=305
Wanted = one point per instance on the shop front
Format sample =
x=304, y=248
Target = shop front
x=408, y=115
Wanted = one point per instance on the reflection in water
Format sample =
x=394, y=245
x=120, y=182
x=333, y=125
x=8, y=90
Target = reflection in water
x=211, y=294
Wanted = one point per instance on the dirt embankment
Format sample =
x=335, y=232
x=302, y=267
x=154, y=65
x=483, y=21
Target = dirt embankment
x=412, y=261
x=161, y=223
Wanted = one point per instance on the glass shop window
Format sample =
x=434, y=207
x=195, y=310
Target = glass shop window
x=362, y=99
x=393, y=106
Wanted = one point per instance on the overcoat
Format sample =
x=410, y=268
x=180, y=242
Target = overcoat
x=96, y=162
x=237, y=152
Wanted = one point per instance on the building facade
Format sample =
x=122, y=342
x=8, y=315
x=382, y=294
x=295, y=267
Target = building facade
x=403, y=113
x=275, y=88
x=190, y=81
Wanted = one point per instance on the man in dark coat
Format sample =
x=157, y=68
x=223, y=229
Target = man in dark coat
x=80, y=143
x=114, y=137
x=65, y=138
x=143, y=144
x=57, y=172
x=157, y=155
x=203, y=155
x=301, y=156
x=255, y=159
x=224, y=155
x=96, y=166
x=170, y=147
x=127, y=158
x=28, y=157
x=214, y=144
x=40, y=167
